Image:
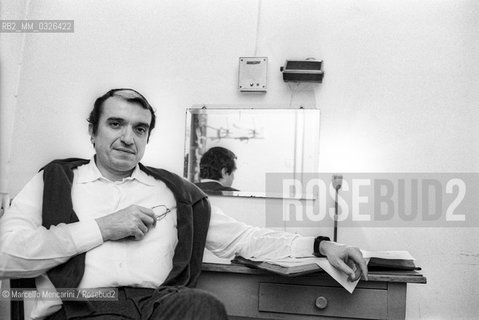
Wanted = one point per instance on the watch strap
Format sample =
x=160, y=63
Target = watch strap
x=317, y=243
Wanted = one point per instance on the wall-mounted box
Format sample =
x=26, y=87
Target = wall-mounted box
x=252, y=74
x=303, y=71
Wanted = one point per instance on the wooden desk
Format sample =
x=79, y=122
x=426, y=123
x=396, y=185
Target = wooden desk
x=256, y=294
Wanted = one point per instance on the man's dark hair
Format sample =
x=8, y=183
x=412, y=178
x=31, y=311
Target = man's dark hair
x=214, y=160
x=126, y=94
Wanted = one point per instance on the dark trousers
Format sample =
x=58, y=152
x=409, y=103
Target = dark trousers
x=164, y=303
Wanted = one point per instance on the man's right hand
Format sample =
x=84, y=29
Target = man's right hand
x=133, y=221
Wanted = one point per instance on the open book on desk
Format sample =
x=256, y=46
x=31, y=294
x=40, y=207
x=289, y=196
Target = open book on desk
x=291, y=267
x=281, y=267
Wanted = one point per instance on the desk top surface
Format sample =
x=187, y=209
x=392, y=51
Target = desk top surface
x=381, y=276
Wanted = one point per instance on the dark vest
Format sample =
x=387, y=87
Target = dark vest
x=193, y=216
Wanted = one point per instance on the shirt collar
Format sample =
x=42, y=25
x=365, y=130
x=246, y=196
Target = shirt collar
x=90, y=172
x=211, y=180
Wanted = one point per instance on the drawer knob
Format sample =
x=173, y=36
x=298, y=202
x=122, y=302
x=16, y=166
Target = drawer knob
x=321, y=303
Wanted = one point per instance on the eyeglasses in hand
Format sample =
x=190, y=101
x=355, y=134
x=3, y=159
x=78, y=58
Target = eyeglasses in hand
x=161, y=211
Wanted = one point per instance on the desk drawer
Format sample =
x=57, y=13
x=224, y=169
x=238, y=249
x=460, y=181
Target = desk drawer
x=325, y=301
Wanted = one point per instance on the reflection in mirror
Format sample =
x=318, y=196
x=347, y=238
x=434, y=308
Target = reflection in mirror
x=229, y=151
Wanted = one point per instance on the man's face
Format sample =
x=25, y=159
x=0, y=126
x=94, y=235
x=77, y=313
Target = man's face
x=121, y=137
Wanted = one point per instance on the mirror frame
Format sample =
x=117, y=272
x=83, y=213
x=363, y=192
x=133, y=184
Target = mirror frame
x=300, y=146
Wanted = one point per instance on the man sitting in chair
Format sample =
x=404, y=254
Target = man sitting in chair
x=111, y=222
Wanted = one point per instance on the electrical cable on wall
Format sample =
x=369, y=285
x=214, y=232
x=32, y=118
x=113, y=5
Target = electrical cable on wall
x=258, y=19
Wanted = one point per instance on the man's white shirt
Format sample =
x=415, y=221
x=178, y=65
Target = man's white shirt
x=27, y=249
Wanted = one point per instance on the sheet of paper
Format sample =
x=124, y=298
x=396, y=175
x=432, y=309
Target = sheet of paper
x=337, y=275
x=324, y=264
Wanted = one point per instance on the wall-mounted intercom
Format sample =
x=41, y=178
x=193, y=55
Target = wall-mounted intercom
x=252, y=74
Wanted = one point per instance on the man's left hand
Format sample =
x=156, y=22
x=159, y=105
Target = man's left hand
x=345, y=258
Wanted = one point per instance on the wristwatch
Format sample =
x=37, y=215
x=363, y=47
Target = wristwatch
x=317, y=242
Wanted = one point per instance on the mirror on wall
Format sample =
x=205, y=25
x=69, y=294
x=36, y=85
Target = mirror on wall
x=229, y=150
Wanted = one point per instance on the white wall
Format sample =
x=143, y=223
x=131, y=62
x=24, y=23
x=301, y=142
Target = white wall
x=400, y=94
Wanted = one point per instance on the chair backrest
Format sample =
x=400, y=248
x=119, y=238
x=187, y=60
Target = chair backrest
x=17, y=307
x=4, y=302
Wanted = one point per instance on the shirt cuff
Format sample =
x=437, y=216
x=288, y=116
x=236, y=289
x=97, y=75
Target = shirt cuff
x=302, y=247
x=86, y=235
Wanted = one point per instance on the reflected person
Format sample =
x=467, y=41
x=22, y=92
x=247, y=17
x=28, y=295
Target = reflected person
x=217, y=170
